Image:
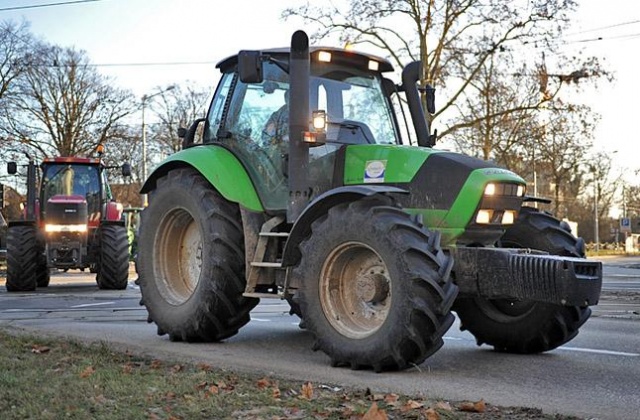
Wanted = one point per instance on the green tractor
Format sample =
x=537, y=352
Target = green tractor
x=300, y=189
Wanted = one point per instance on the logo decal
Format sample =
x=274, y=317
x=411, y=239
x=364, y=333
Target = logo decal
x=374, y=171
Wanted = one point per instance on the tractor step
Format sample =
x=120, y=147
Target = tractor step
x=262, y=295
x=266, y=264
x=275, y=234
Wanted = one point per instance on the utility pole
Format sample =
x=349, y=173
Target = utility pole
x=145, y=98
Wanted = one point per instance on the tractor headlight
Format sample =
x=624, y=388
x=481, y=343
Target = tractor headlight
x=490, y=189
x=508, y=217
x=500, y=203
x=484, y=217
x=51, y=228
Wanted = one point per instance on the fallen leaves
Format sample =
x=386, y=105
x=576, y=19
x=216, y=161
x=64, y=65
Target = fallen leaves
x=88, y=371
x=375, y=413
x=473, y=407
x=307, y=391
x=38, y=349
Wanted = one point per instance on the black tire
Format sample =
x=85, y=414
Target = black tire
x=43, y=275
x=191, y=260
x=526, y=326
x=391, y=292
x=22, y=258
x=113, y=268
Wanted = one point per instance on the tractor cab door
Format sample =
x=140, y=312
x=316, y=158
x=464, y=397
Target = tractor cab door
x=251, y=120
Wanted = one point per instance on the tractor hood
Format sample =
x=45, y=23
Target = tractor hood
x=445, y=188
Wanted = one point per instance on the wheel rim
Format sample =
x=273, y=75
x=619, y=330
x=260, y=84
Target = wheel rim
x=355, y=290
x=178, y=251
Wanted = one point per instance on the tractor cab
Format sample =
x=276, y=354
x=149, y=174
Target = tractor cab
x=250, y=116
x=76, y=182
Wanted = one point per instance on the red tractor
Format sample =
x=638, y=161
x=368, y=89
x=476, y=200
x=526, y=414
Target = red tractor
x=70, y=222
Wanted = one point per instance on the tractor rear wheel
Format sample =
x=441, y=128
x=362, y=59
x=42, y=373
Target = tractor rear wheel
x=113, y=268
x=375, y=287
x=521, y=326
x=43, y=276
x=22, y=258
x=192, y=267
x=42, y=272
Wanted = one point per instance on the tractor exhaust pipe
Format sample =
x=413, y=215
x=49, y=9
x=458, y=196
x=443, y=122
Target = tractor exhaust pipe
x=31, y=191
x=299, y=67
x=410, y=77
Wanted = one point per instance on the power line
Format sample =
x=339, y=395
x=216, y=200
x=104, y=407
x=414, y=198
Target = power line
x=166, y=63
x=35, y=6
x=616, y=25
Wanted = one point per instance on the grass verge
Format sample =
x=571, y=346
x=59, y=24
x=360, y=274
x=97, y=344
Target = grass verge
x=48, y=378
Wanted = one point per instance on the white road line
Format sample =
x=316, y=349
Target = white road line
x=596, y=351
x=84, y=305
x=260, y=319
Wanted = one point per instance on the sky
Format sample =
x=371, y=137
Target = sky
x=202, y=32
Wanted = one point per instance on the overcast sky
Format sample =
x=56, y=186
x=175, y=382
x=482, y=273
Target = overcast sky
x=205, y=31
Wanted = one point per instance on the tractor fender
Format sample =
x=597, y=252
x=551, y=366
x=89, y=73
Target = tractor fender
x=113, y=211
x=219, y=166
x=320, y=206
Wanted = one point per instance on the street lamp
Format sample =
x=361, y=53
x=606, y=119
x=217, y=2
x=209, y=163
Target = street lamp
x=145, y=98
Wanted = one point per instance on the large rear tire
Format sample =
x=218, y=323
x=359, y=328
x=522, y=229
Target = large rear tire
x=22, y=258
x=43, y=276
x=113, y=268
x=191, y=260
x=525, y=326
x=375, y=287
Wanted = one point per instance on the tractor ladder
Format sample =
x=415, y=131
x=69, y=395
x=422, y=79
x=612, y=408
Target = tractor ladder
x=259, y=267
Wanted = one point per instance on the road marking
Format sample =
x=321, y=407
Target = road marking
x=596, y=351
x=260, y=320
x=84, y=305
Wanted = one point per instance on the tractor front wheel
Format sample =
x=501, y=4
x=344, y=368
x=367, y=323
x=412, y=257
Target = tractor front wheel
x=23, y=258
x=521, y=326
x=113, y=268
x=191, y=260
x=375, y=287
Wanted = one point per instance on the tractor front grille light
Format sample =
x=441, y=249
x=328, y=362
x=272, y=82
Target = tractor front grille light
x=52, y=228
x=496, y=189
x=324, y=56
x=488, y=216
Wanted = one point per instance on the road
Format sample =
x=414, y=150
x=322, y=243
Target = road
x=593, y=376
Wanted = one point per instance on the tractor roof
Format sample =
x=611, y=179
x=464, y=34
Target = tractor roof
x=339, y=55
x=72, y=160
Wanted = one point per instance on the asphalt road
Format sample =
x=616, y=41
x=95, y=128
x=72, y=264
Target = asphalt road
x=594, y=376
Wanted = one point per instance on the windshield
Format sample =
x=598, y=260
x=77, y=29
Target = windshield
x=72, y=179
x=357, y=111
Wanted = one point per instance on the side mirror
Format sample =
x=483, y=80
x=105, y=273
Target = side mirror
x=126, y=169
x=182, y=132
x=190, y=134
x=250, y=66
x=431, y=99
x=12, y=168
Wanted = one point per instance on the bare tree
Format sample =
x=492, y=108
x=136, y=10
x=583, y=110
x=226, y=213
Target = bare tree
x=175, y=108
x=15, y=40
x=458, y=40
x=62, y=106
